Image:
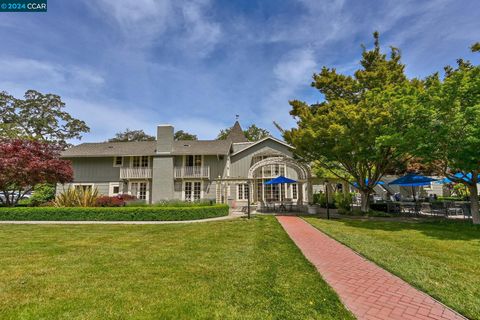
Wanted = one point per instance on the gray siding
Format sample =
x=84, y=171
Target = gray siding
x=95, y=169
x=241, y=163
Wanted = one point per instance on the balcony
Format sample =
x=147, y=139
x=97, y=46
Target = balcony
x=135, y=173
x=192, y=172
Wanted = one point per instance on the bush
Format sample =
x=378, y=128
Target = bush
x=77, y=197
x=106, y=201
x=321, y=200
x=343, y=201
x=113, y=214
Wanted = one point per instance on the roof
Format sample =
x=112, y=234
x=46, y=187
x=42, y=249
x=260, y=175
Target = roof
x=241, y=145
x=236, y=134
x=138, y=148
x=205, y=147
x=262, y=140
x=104, y=149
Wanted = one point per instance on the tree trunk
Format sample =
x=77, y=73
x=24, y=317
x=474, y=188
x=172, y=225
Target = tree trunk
x=474, y=203
x=365, y=200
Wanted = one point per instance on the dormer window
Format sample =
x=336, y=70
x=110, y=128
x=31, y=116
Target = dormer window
x=117, y=161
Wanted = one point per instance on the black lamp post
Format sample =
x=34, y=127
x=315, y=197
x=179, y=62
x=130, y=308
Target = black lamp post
x=326, y=195
x=248, y=201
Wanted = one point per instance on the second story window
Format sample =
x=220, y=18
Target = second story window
x=140, y=162
x=118, y=161
x=193, y=161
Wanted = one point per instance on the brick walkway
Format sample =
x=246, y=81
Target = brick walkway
x=367, y=290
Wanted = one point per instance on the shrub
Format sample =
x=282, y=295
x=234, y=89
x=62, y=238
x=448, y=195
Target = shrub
x=343, y=201
x=106, y=201
x=113, y=213
x=42, y=193
x=77, y=197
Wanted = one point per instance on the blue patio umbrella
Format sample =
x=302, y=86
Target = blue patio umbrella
x=460, y=175
x=355, y=184
x=280, y=180
x=413, y=180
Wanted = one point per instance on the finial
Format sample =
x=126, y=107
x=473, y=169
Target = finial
x=236, y=117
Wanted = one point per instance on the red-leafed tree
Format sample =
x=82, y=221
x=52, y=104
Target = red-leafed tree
x=25, y=163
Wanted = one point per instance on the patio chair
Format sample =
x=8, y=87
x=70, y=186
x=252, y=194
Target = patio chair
x=438, y=209
x=467, y=213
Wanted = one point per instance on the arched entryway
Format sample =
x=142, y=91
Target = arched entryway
x=274, y=166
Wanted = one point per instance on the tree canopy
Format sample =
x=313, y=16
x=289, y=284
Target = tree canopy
x=182, y=135
x=131, y=135
x=252, y=133
x=26, y=163
x=40, y=117
x=451, y=138
x=364, y=126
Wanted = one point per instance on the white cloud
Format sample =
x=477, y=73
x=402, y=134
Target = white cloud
x=145, y=23
x=107, y=118
x=291, y=73
x=43, y=75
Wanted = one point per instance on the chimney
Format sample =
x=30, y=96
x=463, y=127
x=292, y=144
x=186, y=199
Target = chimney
x=164, y=139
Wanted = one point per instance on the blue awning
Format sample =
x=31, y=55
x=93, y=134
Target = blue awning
x=413, y=180
x=280, y=180
x=461, y=176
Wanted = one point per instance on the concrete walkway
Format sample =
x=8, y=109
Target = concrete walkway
x=231, y=216
x=367, y=290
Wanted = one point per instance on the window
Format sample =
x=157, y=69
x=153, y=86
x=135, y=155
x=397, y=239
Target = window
x=193, y=161
x=193, y=190
x=242, y=191
x=83, y=187
x=114, y=189
x=139, y=190
x=140, y=162
x=294, y=191
x=118, y=161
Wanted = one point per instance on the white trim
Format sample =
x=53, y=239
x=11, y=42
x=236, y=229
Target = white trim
x=260, y=141
x=112, y=185
x=115, y=161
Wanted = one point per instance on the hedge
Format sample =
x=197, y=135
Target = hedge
x=112, y=213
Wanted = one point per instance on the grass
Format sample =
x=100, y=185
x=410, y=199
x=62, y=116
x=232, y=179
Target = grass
x=440, y=258
x=239, y=269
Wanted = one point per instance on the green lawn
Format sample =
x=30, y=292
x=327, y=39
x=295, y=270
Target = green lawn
x=218, y=270
x=441, y=258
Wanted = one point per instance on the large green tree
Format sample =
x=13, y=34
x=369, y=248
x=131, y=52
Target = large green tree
x=364, y=126
x=252, y=133
x=131, y=135
x=451, y=139
x=183, y=135
x=39, y=117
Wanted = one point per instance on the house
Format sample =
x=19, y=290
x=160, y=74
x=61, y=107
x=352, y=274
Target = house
x=164, y=169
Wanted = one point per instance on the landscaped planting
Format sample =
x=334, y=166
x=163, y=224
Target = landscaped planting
x=147, y=213
x=240, y=269
x=440, y=258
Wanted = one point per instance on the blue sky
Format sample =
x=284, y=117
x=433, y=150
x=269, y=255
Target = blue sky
x=196, y=64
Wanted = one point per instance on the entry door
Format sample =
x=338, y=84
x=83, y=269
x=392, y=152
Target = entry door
x=139, y=190
x=193, y=190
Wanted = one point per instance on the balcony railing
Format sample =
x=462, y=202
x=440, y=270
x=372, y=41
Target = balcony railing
x=135, y=173
x=192, y=172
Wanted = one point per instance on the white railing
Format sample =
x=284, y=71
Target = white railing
x=192, y=172
x=135, y=173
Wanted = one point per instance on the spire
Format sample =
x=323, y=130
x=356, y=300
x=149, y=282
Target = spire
x=236, y=134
